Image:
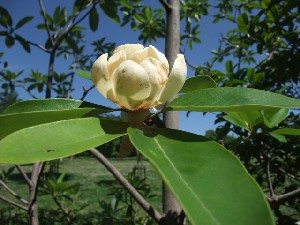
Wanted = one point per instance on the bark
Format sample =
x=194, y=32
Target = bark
x=33, y=189
x=171, y=208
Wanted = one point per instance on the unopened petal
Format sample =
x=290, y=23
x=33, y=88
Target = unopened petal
x=131, y=84
x=152, y=52
x=175, y=81
x=129, y=49
x=158, y=78
x=114, y=61
x=100, y=77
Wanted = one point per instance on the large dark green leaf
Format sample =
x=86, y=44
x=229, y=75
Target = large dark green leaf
x=58, y=139
x=280, y=133
x=51, y=104
x=110, y=8
x=94, y=19
x=230, y=100
x=10, y=123
x=198, y=82
x=209, y=182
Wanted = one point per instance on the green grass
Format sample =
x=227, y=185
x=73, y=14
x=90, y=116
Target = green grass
x=89, y=173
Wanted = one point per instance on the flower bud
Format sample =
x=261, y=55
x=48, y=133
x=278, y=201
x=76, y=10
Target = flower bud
x=137, y=78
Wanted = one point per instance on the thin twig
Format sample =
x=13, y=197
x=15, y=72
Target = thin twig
x=12, y=192
x=269, y=179
x=13, y=203
x=72, y=25
x=288, y=174
x=86, y=91
x=124, y=182
x=27, y=41
x=72, y=80
x=45, y=21
x=65, y=211
x=26, y=89
x=19, y=168
x=280, y=199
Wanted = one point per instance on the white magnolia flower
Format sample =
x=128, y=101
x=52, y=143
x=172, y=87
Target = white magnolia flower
x=136, y=78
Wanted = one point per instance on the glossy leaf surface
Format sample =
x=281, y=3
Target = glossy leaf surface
x=198, y=82
x=211, y=184
x=230, y=100
x=58, y=139
x=51, y=104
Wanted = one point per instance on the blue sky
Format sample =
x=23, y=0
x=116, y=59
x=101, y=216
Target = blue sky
x=18, y=59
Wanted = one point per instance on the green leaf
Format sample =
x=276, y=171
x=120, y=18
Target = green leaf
x=198, y=82
x=231, y=99
x=148, y=13
x=209, y=182
x=287, y=131
x=58, y=139
x=110, y=8
x=244, y=119
x=84, y=74
x=10, y=123
x=242, y=22
x=5, y=18
x=34, y=105
x=229, y=66
x=279, y=137
x=94, y=19
x=24, y=43
x=274, y=116
x=34, y=112
x=9, y=41
x=72, y=43
x=23, y=21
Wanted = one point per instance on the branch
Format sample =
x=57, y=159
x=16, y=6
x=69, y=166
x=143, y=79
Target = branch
x=28, y=181
x=166, y=5
x=45, y=21
x=65, y=211
x=27, y=41
x=26, y=89
x=289, y=174
x=72, y=24
x=269, y=179
x=12, y=203
x=280, y=199
x=132, y=191
x=12, y=192
x=86, y=91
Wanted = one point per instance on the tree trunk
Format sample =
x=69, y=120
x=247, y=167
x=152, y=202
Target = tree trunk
x=171, y=208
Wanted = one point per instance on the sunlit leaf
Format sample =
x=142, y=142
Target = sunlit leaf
x=34, y=105
x=230, y=100
x=210, y=183
x=84, y=74
x=58, y=139
x=198, y=82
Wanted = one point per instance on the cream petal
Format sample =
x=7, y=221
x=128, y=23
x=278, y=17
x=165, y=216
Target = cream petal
x=151, y=51
x=161, y=57
x=129, y=49
x=175, y=81
x=131, y=84
x=114, y=61
x=157, y=77
x=100, y=77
